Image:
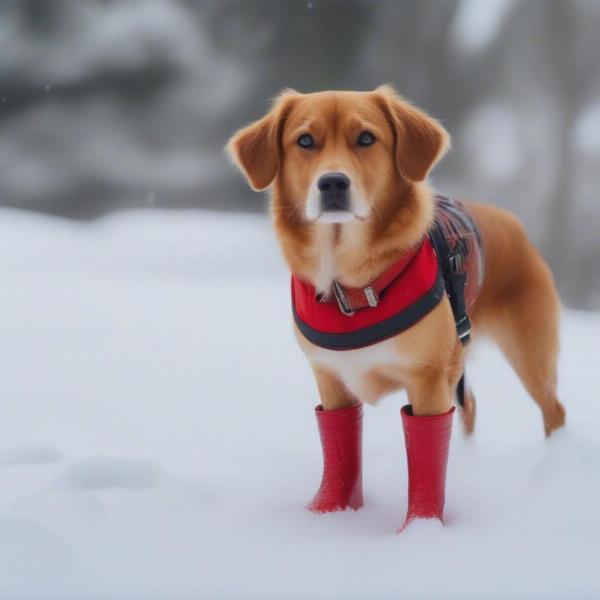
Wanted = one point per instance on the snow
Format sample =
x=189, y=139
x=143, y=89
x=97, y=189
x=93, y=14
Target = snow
x=157, y=437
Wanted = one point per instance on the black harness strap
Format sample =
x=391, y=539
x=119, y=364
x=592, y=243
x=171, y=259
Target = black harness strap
x=460, y=391
x=451, y=260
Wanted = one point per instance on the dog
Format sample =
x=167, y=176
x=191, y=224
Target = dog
x=347, y=172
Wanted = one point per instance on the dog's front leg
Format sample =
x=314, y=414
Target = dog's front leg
x=427, y=423
x=339, y=418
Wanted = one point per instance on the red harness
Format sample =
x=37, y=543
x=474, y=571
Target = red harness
x=449, y=261
x=397, y=299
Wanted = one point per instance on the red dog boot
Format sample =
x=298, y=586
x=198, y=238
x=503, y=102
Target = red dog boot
x=427, y=440
x=341, y=442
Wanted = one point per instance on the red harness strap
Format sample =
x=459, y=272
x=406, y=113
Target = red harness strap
x=396, y=300
x=352, y=299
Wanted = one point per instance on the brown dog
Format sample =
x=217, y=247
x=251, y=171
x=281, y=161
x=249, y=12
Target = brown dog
x=383, y=148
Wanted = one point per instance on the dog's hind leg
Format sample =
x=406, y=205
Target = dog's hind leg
x=519, y=307
x=526, y=329
x=466, y=405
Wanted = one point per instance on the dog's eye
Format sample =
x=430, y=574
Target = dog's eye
x=366, y=138
x=306, y=141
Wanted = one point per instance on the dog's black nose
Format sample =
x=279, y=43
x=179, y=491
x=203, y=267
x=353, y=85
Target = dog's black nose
x=333, y=181
x=333, y=188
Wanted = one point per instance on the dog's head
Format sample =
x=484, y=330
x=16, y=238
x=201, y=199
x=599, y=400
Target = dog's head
x=337, y=156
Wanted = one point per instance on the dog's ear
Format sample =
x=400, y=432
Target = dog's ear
x=419, y=140
x=256, y=149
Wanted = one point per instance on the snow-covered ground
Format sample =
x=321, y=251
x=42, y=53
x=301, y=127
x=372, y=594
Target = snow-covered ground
x=157, y=438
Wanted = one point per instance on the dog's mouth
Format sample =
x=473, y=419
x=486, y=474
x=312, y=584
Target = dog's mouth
x=339, y=216
x=333, y=198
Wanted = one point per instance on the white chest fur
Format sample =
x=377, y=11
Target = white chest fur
x=352, y=367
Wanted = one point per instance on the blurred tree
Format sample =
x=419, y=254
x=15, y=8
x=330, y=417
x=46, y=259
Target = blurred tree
x=106, y=104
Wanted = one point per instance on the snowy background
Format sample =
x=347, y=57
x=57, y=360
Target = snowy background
x=157, y=435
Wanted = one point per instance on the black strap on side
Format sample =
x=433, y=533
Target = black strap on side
x=460, y=391
x=450, y=262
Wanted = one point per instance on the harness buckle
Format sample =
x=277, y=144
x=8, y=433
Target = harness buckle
x=458, y=256
x=371, y=296
x=456, y=262
x=342, y=300
x=463, y=328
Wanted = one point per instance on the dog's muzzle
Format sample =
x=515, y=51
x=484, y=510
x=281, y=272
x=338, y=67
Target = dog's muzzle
x=334, y=192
